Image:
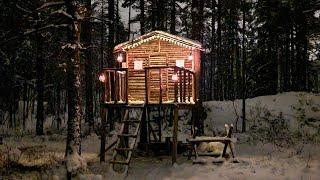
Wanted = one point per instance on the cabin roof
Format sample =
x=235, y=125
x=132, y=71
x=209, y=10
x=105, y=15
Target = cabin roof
x=178, y=40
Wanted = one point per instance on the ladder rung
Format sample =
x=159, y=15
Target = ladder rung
x=123, y=149
x=119, y=162
x=131, y=121
x=127, y=135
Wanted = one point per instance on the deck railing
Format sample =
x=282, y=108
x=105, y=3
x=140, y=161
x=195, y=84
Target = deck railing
x=184, y=90
x=180, y=90
x=116, y=85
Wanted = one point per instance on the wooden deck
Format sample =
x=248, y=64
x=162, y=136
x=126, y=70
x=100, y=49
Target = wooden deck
x=158, y=87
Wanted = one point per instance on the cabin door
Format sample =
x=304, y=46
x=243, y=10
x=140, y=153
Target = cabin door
x=158, y=77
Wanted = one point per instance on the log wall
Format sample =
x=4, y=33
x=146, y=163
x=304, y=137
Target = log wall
x=158, y=53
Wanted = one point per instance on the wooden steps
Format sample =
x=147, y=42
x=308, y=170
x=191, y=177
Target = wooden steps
x=127, y=139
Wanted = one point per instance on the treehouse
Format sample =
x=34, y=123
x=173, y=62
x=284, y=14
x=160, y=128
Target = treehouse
x=155, y=68
x=156, y=75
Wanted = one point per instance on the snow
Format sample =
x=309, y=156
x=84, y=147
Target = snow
x=289, y=103
x=256, y=161
x=74, y=162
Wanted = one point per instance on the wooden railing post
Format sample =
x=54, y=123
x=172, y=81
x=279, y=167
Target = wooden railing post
x=115, y=86
x=184, y=85
x=127, y=87
x=109, y=87
x=180, y=84
x=146, y=75
x=189, y=86
x=175, y=86
x=160, y=83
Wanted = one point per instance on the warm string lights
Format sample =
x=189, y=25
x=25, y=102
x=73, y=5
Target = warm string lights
x=120, y=58
x=176, y=41
x=190, y=57
x=102, y=77
x=175, y=77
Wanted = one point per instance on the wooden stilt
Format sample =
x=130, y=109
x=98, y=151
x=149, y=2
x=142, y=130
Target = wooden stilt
x=104, y=116
x=175, y=136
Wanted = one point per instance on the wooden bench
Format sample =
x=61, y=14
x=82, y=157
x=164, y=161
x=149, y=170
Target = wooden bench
x=227, y=141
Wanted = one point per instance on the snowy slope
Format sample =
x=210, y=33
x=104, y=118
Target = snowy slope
x=290, y=104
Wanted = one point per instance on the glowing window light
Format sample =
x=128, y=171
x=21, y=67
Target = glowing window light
x=190, y=57
x=102, y=78
x=180, y=63
x=175, y=77
x=138, y=65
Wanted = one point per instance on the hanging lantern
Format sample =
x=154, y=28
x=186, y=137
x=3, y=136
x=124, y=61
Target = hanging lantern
x=119, y=58
x=102, y=78
x=190, y=57
x=175, y=77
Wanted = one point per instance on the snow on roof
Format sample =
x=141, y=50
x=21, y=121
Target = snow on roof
x=178, y=40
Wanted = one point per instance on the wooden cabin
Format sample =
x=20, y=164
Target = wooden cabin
x=155, y=68
x=158, y=71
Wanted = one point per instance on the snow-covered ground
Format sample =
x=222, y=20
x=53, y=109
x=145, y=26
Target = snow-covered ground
x=292, y=105
x=256, y=160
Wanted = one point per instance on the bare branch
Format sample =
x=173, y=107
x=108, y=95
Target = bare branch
x=31, y=31
x=51, y=4
x=62, y=13
x=23, y=9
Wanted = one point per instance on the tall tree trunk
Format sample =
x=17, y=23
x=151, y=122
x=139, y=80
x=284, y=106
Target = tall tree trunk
x=40, y=84
x=24, y=111
x=129, y=21
x=142, y=20
x=87, y=37
x=213, y=50
x=74, y=87
x=102, y=37
x=153, y=15
x=111, y=18
x=219, y=52
x=243, y=68
x=173, y=17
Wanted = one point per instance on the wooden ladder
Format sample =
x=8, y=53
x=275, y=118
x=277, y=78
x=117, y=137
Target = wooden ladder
x=127, y=139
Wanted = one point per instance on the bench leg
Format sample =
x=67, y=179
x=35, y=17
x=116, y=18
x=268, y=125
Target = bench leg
x=224, y=149
x=195, y=151
x=233, y=150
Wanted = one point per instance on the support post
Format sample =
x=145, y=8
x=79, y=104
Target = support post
x=160, y=83
x=127, y=87
x=146, y=73
x=175, y=87
x=175, y=136
x=180, y=85
x=184, y=85
x=104, y=115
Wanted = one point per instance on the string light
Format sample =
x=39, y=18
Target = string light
x=119, y=58
x=102, y=78
x=175, y=77
x=190, y=58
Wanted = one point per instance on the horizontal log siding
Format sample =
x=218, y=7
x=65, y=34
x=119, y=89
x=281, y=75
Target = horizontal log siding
x=136, y=78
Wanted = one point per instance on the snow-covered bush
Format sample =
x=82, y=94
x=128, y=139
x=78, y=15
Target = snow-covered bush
x=269, y=128
x=308, y=127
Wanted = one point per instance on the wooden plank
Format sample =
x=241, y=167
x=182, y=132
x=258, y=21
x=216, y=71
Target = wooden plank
x=212, y=139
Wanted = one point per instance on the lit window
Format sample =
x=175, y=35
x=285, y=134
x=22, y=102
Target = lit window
x=138, y=65
x=180, y=63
